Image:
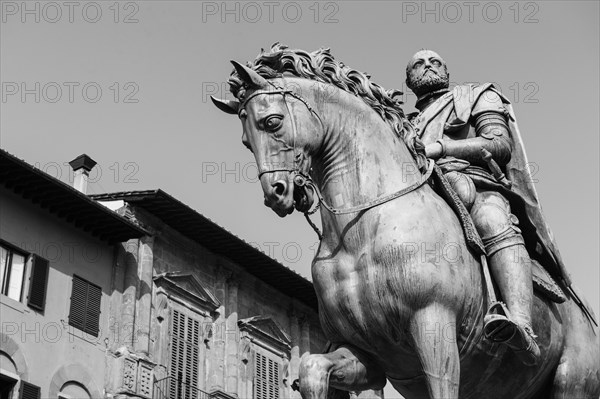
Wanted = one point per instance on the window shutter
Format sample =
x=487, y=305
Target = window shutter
x=266, y=381
x=193, y=352
x=29, y=391
x=177, y=322
x=260, y=384
x=185, y=356
x=38, y=283
x=78, y=303
x=273, y=379
x=92, y=317
x=85, y=306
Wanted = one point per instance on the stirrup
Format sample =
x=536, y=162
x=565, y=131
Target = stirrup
x=500, y=329
x=497, y=326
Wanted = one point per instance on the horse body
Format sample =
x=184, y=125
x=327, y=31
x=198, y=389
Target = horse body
x=400, y=276
x=401, y=296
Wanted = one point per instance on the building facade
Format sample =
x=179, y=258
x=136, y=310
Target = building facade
x=57, y=252
x=208, y=313
x=136, y=295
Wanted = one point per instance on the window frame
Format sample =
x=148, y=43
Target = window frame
x=5, y=278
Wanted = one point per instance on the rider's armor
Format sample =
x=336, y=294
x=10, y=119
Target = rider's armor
x=487, y=128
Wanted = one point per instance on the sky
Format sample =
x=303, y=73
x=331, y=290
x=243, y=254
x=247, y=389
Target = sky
x=128, y=83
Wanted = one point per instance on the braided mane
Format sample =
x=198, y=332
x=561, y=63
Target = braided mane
x=322, y=67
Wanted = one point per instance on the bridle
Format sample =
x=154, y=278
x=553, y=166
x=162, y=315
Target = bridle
x=280, y=90
x=302, y=179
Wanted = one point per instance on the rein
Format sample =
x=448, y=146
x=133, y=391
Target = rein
x=379, y=200
x=301, y=179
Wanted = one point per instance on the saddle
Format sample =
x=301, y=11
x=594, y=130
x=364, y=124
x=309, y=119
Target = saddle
x=542, y=281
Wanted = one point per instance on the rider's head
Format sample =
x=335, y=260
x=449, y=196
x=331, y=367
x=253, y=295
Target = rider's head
x=426, y=72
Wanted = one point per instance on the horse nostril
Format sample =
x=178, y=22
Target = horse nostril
x=279, y=188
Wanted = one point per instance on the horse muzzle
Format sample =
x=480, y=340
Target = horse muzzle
x=279, y=197
x=283, y=196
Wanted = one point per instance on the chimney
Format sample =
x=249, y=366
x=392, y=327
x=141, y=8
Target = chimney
x=82, y=166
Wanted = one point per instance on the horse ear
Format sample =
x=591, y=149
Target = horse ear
x=228, y=106
x=249, y=76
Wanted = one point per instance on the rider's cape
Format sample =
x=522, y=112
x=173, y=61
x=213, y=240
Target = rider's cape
x=522, y=195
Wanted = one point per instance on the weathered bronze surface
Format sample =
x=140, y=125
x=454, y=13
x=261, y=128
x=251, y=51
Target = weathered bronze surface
x=401, y=295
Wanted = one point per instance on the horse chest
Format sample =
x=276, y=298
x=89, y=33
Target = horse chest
x=357, y=289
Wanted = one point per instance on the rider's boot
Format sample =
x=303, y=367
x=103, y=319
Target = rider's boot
x=511, y=268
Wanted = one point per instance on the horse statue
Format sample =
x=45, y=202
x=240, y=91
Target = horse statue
x=401, y=295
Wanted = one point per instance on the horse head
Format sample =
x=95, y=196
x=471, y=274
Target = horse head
x=301, y=111
x=280, y=128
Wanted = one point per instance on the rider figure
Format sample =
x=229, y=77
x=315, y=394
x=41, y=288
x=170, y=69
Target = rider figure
x=455, y=126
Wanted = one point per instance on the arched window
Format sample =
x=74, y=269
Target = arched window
x=73, y=390
x=8, y=376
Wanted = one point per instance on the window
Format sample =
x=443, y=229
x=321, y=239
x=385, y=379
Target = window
x=266, y=377
x=185, y=356
x=7, y=384
x=85, y=306
x=270, y=345
x=12, y=270
x=73, y=390
x=13, y=274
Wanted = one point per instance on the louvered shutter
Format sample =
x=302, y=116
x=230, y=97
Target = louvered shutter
x=92, y=317
x=176, y=355
x=38, y=283
x=260, y=383
x=193, y=352
x=29, y=391
x=273, y=379
x=185, y=356
x=78, y=303
x=266, y=379
x=85, y=306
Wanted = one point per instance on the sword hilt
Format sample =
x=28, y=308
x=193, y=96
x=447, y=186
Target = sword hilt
x=495, y=168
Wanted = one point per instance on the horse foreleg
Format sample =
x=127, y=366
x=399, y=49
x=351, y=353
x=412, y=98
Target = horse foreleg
x=433, y=331
x=346, y=369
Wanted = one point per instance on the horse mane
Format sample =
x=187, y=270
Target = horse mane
x=322, y=67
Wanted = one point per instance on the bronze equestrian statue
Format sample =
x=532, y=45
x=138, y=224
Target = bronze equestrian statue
x=401, y=272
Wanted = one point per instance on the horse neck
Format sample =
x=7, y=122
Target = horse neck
x=361, y=158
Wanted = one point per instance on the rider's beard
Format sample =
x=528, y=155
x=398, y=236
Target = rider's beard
x=428, y=82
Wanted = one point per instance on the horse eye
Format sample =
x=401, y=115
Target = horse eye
x=273, y=122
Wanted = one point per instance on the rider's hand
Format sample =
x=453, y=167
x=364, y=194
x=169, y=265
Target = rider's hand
x=434, y=150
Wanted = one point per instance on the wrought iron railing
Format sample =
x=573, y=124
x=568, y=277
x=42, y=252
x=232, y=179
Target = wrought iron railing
x=172, y=388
